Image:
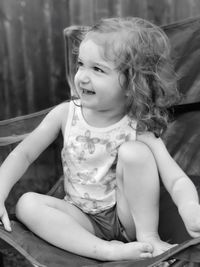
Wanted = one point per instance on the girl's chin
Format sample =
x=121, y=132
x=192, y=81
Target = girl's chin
x=86, y=102
x=87, y=98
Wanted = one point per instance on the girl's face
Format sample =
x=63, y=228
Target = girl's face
x=98, y=83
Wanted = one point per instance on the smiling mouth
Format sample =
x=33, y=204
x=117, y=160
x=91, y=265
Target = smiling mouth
x=87, y=92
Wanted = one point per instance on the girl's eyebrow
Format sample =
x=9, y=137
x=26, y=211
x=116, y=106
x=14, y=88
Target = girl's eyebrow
x=100, y=65
x=103, y=66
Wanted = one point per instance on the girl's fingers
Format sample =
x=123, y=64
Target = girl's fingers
x=6, y=222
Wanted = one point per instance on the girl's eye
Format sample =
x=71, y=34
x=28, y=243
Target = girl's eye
x=79, y=64
x=98, y=69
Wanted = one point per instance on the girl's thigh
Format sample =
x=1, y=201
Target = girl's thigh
x=30, y=201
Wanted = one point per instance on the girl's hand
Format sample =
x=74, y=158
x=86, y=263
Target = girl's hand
x=156, y=144
x=190, y=214
x=4, y=218
x=148, y=138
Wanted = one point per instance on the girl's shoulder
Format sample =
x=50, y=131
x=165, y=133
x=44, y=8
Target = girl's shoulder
x=61, y=108
x=60, y=114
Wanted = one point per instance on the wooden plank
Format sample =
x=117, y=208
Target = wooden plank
x=63, y=20
x=15, y=63
x=49, y=47
x=29, y=69
x=87, y=11
x=29, y=87
x=195, y=7
x=102, y=9
x=74, y=10
x=132, y=8
x=59, y=19
x=3, y=98
x=182, y=9
x=35, y=34
x=29, y=49
x=111, y=8
x=154, y=11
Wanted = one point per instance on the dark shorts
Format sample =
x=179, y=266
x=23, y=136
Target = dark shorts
x=107, y=225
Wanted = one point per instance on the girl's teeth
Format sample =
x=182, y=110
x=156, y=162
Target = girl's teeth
x=85, y=91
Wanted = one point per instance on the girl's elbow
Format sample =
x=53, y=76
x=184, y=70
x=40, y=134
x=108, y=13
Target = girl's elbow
x=179, y=184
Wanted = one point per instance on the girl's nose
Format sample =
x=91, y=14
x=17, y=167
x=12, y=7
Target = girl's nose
x=83, y=76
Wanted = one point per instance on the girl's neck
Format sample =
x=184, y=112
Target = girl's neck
x=101, y=119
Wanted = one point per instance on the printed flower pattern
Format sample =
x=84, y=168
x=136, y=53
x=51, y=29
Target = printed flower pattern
x=75, y=120
x=87, y=177
x=93, y=201
x=109, y=182
x=89, y=163
x=89, y=142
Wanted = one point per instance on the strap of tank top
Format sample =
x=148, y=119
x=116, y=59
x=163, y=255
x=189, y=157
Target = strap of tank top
x=69, y=121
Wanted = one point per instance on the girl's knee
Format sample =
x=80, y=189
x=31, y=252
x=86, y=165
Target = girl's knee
x=26, y=205
x=135, y=153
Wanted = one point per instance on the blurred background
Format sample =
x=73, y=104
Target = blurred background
x=32, y=70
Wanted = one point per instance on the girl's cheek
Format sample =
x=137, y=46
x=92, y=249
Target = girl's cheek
x=75, y=79
x=78, y=76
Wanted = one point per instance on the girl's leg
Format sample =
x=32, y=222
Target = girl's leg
x=67, y=227
x=138, y=194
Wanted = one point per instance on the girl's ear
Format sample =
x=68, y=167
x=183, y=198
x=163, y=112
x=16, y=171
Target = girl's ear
x=131, y=89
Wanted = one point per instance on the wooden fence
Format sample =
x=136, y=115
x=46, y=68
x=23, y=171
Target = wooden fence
x=32, y=72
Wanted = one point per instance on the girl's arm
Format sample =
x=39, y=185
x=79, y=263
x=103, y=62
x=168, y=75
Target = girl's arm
x=29, y=149
x=178, y=184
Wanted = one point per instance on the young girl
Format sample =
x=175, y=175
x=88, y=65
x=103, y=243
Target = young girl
x=112, y=154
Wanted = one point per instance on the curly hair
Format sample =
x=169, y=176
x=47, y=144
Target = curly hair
x=140, y=50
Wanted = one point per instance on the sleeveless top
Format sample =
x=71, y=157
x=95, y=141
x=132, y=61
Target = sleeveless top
x=89, y=158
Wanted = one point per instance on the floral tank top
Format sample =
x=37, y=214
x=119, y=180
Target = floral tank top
x=89, y=158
